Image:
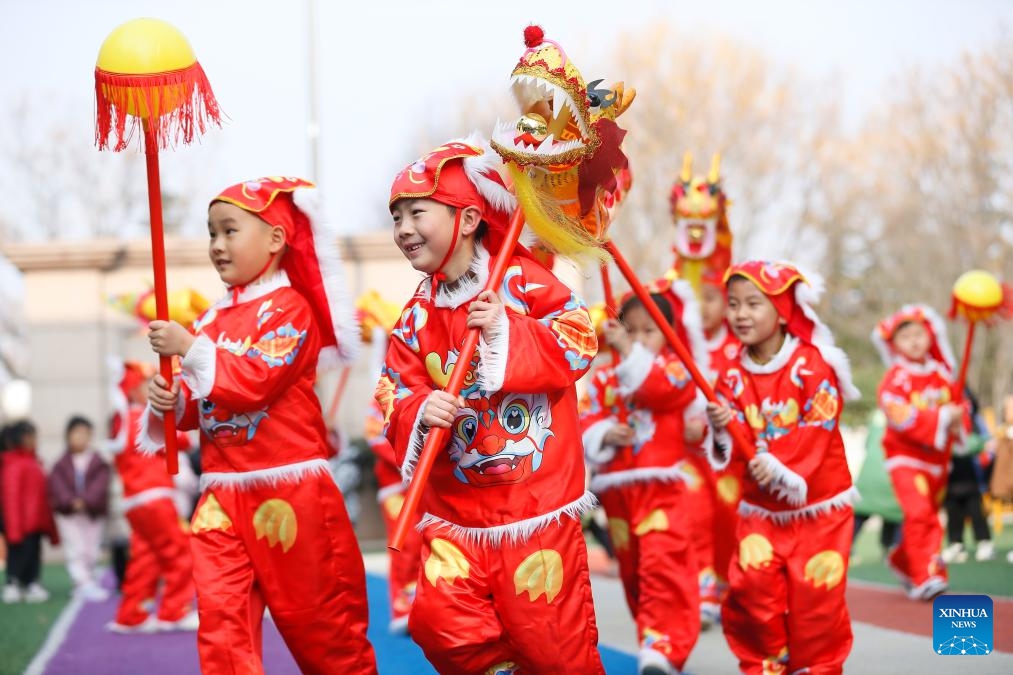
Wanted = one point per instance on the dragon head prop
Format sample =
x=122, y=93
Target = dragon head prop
x=185, y=305
x=703, y=240
x=564, y=151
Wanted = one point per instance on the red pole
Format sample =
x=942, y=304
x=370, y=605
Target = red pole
x=612, y=311
x=161, y=295
x=675, y=343
x=958, y=395
x=437, y=437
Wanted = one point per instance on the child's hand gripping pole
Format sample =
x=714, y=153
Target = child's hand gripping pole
x=437, y=437
x=675, y=343
x=161, y=295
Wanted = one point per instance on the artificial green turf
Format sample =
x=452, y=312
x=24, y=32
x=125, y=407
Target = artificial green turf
x=23, y=627
x=990, y=577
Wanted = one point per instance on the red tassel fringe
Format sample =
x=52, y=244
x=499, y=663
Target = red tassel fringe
x=124, y=102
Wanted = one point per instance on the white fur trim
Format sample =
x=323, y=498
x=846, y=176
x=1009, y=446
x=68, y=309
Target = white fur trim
x=476, y=168
x=910, y=462
x=288, y=473
x=512, y=533
x=386, y=492
x=151, y=428
x=839, y=501
x=652, y=474
x=116, y=369
x=807, y=295
x=257, y=289
x=415, y=444
x=146, y=497
x=332, y=270
x=596, y=451
x=198, y=367
x=717, y=339
x=493, y=355
x=692, y=321
x=786, y=485
x=943, y=421
x=634, y=369
x=779, y=361
x=697, y=410
x=937, y=327
x=454, y=294
x=715, y=441
x=929, y=367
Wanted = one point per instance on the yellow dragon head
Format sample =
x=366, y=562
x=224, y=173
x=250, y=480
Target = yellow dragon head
x=703, y=240
x=564, y=151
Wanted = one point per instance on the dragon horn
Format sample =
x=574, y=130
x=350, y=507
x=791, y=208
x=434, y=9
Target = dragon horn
x=715, y=172
x=687, y=168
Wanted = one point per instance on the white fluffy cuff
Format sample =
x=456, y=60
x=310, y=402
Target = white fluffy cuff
x=199, y=367
x=787, y=485
x=596, y=452
x=634, y=369
x=492, y=355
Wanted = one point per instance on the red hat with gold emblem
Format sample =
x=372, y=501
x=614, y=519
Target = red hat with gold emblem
x=939, y=349
x=311, y=259
x=793, y=296
x=460, y=174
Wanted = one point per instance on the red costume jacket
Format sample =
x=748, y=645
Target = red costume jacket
x=248, y=385
x=513, y=464
x=25, y=499
x=655, y=390
x=791, y=406
x=912, y=395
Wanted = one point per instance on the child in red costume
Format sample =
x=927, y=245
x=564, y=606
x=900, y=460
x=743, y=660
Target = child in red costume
x=159, y=551
x=786, y=609
x=24, y=505
x=504, y=586
x=922, y=424
x=270, y=528
x=640, y=473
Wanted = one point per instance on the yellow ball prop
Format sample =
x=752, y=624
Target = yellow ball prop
x=977, y=290
x=146, y=47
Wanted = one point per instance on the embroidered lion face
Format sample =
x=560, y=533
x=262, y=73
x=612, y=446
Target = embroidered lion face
x=499, y=440
x=226, y=429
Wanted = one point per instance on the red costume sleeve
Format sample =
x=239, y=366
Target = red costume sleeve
x=667, y=387
x=918, y=425
x=250, y=376
x=546, y=342
x=403, y=387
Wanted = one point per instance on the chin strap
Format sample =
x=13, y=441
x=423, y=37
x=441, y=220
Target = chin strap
x=439, y=276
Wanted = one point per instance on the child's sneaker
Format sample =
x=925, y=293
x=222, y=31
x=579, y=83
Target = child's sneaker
x=91, y=593
x=928, y=589
x=985, y=551
x=710, y=615
x=149, y=625
x=36, y=593
x=398, y=626
x=12, y=594
x=652, y=662
x=954, y=553
x=188, y=622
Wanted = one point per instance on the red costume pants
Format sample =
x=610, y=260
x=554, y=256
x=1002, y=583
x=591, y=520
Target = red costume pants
x=650, y=530
x=158, y=551
x=701, y=495
x=919, y=495
x=785, y=609
x=404, y=564
x=507, y=608
x=291, y=547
